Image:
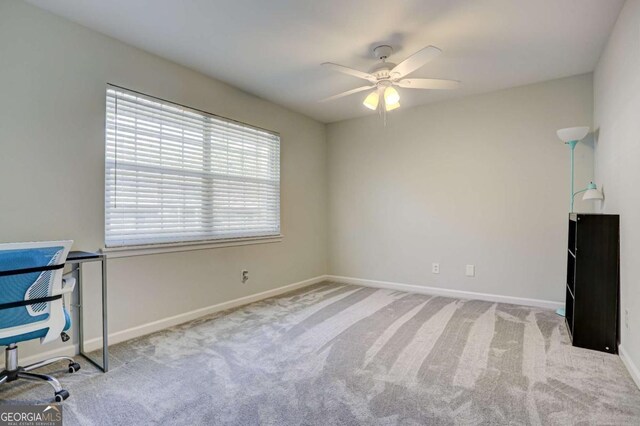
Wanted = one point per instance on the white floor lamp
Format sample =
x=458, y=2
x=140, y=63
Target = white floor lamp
x=571, y=136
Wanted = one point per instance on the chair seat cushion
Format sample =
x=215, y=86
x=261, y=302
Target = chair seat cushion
x=35, y=334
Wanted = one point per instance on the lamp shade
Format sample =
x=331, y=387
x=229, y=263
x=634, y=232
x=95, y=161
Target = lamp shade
x=391, y=96
x=572, y=133
x=391, y=107
x=371, y=101
x=592, y=193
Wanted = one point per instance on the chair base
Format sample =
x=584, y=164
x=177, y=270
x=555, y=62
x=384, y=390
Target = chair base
x=14, y=372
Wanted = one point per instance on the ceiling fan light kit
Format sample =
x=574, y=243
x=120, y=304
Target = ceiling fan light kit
x=384, y=75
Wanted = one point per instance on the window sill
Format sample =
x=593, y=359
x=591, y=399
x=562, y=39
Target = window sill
x=149, y=249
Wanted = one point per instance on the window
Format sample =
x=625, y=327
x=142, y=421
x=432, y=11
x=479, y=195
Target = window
x=176, y=174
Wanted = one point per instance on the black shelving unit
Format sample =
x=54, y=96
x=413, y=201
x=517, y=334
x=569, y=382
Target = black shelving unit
x=593, y=269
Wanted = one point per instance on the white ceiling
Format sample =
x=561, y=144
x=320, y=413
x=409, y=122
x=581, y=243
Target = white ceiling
x=274, y=48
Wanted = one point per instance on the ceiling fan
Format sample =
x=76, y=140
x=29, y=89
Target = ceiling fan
x=385, y=75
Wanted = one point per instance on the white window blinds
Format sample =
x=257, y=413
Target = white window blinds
x=175, y=174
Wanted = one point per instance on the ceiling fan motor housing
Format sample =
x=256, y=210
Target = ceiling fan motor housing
x=382, y=70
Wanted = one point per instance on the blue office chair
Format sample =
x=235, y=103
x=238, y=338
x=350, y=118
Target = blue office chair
x=32, y=286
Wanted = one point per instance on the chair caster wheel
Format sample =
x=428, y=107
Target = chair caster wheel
x=61, y=395
x=73, y=367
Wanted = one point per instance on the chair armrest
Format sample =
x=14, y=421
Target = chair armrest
x=68, y=284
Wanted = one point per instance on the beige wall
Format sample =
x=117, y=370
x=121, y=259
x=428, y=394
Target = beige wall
x=482, y=180
x=53, y=76
x=617, y=121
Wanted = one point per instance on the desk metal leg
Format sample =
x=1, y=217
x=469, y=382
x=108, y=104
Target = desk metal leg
x=105, y=333
x=105, y=344
x=78, y=270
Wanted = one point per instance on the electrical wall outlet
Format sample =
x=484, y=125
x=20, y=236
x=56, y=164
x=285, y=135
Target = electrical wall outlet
x=470, y=271
x=435, y=268
x=245, y=276
x=626, y=319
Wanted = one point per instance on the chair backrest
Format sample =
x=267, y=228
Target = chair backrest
x=31, y=285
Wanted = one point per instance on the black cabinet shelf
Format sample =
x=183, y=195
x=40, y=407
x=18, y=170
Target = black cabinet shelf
x=591, y=307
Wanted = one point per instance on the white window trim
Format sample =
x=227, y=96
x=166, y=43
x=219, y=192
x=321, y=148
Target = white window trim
x=149, y=249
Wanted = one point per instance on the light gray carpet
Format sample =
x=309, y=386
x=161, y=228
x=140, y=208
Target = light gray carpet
x=342, y=354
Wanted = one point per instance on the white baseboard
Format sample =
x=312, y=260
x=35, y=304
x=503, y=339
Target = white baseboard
x=628, y=362
x=412, y=288
x=151, y=327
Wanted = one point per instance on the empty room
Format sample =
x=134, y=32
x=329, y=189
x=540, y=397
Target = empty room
x=319, y=212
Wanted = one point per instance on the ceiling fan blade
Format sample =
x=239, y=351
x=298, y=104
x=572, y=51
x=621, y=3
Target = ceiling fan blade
x=350, y=71
x=427, y=83
x=414, y=62
x=347, y=93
